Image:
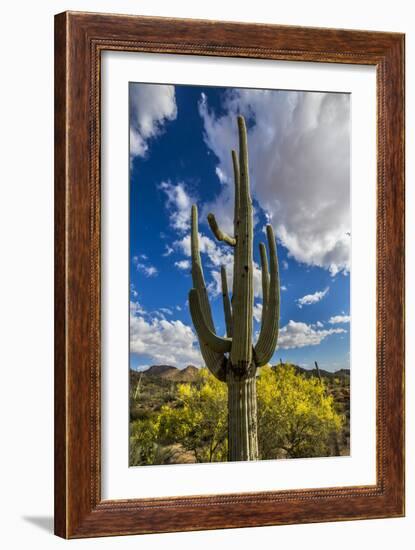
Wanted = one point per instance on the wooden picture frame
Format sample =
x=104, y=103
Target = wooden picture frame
x=79, y=40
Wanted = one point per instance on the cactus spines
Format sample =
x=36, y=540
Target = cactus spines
x=233, y=359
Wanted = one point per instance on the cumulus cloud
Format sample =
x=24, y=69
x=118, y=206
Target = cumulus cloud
x=213, y=257
x=179, y=203
x=298, y=335
x=299, y=161
x=146, y=269
x=218, y=255
x=169, y=250
x=166, y=310
x=168, y=342
x=216, y=286
x=136, y=308
x=222, y=177
x=310, y=299
x=182, y=264
x=336, y=319
x=257, y=312
x=151, y=105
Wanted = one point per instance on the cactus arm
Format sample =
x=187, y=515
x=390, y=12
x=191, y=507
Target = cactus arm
x=217, y=231
x=215, y=362
x=197, y=270
x=243, y=297
x=265, y=280
x=213, y=224
x=205, y=334
x=268, y=335
x=226, y=302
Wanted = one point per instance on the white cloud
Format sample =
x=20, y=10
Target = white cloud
x=310, y=299
x=179, y=203
x=182, y=264
x=283, y=288
x=299, y=335
x=336, y=319
x=136, y=308
x=147, y=270
x=162, y=341
x=157, y=314
x=258, y=312
x=299, y=161
x=216, y=256
x=222, y=177
x=285, y=264
x=166, y=310
x=215, y=287
x=151, y=105
x=169, y=250
x=257, y=274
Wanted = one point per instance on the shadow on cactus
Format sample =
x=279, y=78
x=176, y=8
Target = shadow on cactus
x=234, y=360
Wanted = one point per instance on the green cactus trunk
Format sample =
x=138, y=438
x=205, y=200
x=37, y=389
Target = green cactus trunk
x=234, y=359
x=242, y=416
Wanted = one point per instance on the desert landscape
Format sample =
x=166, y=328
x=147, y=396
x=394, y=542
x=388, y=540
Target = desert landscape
x=167, y=404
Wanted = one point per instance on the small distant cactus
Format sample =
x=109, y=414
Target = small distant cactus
x=318, y=371
x=233, y=359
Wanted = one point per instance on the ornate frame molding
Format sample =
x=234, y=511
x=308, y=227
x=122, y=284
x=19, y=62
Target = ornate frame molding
x=79, y=40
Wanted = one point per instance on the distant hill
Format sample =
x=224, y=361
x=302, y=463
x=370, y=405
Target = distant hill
x=162, y=371
x=167, y=372
x=341, y=373
x=189, y=373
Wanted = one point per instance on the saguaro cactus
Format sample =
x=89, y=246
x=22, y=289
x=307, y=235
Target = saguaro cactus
x=233, y=359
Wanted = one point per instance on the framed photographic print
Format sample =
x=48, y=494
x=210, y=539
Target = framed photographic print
x=229, y=277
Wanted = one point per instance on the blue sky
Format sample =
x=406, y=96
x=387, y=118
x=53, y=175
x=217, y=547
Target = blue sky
x=180, y=145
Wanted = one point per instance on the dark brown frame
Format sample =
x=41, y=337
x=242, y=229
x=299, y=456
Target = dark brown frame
x=79, y=40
